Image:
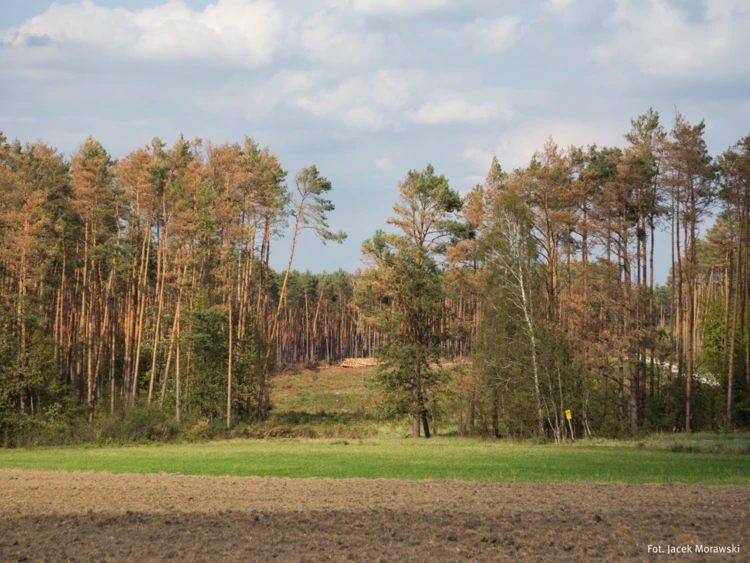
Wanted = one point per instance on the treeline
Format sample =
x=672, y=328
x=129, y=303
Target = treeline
x=560, y=257
x=571, y=240
x=147, y=279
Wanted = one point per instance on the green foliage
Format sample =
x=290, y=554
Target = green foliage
x=314, y=213
x=139, y=424
x=66, y=425
x=403, y=295
x=211, y=353
x=34, y=372
x=247, y=372
x=510, y=342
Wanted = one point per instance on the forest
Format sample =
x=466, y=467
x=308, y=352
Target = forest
x=143, y=285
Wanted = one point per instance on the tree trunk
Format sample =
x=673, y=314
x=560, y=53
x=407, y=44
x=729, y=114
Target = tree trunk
x=229, y=368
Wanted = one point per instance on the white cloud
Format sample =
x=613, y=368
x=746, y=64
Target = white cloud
x=483, y=35
x=414, y=8
x=494, y=35
x=388, y=99
x=386, y=166
x=398, y=7
x=254, y=99
x=517, y=146
x=718, y=9
x=578, y=14
x=660, y=39
x=559, y=5
x=327, y=37
x=240, y=32
x=478, y=156
x=457, y=111
x=368, y=102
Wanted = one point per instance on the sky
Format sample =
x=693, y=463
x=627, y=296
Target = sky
x=370, y=89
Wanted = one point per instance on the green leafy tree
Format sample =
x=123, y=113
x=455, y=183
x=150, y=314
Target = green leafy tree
x=510, y=251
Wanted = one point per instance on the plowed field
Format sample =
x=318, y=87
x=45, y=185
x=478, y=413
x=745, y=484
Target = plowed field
x=104, y=517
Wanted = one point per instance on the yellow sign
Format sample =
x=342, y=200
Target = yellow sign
x=568, y=415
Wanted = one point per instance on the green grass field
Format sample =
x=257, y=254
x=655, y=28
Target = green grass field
x=440, y=458
x=330, y=389
x=333, y=401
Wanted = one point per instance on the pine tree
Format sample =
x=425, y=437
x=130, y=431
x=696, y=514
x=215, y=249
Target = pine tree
x=402, y=294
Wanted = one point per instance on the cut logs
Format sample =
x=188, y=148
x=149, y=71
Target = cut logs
x=359, y=363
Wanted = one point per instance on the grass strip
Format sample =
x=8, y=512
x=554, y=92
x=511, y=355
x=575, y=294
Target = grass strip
x=439, y=458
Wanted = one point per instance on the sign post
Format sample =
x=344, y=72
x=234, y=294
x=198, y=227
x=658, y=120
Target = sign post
x=568, y=415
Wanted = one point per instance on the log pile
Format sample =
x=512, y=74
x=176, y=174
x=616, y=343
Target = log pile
x=359, y=363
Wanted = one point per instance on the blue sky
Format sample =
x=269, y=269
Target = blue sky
x=368, y=89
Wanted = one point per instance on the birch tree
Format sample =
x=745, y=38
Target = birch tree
x=510, y=250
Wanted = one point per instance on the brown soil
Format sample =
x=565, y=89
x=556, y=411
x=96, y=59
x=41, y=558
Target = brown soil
x=103, y=517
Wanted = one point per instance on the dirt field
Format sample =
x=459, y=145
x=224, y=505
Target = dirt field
x=102, y=517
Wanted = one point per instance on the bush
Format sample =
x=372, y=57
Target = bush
x=138, y=424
